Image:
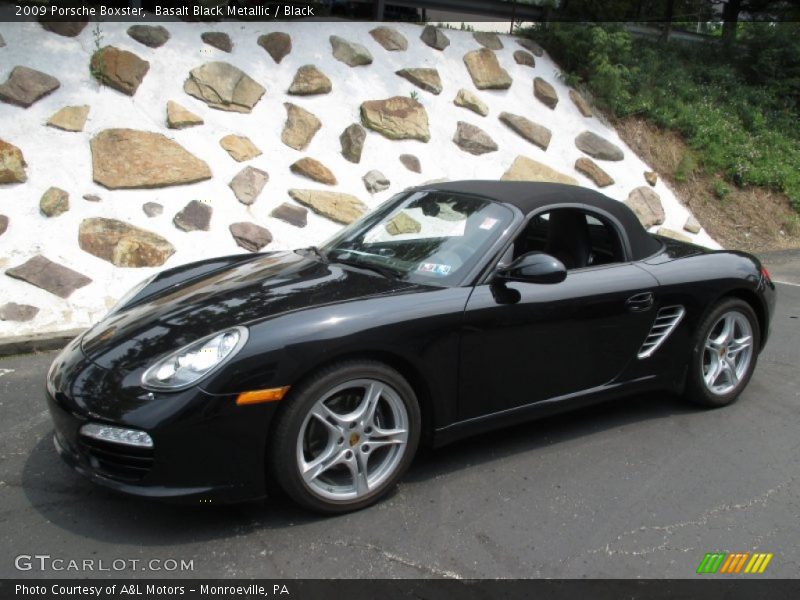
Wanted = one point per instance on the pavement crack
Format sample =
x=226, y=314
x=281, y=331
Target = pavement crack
x=667, y=531
x=392, y=557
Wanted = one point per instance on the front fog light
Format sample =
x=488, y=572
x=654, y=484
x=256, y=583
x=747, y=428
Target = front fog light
x=117, y=435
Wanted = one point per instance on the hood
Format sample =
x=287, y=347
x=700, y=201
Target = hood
x=244, y=293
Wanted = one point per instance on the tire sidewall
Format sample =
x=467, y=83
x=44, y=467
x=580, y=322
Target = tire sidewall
x=284, y=443
x=697, y=390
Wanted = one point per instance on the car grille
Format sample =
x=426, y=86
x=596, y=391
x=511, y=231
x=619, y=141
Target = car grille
x=666, y=321
x=117, y=461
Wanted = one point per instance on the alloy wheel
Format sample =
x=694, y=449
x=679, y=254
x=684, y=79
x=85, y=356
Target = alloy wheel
x=352, y=440
x=727, y=353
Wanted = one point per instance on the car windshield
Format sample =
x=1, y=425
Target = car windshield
x=424, y=237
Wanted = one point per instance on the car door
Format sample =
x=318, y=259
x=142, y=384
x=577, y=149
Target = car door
x=526, y=342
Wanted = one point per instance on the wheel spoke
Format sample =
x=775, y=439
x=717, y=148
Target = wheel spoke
x=387, y=437
x=731, y=370
x=366, y=408
x=324, y=415
x=714, y=371
x=736, y=346
x=329, y=457
x=362, y=473
x=726, y=335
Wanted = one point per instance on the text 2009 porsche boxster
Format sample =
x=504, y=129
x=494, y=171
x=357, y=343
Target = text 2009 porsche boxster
x=450, y=309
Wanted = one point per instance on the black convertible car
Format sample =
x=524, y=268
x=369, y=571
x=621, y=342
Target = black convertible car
x=449, y=310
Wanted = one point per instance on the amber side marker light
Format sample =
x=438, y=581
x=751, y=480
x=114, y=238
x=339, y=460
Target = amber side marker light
x=258, y=396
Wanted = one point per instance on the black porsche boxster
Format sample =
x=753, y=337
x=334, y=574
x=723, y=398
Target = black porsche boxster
x=449, y=310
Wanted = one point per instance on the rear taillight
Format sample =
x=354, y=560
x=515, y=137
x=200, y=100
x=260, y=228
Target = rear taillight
x=765, y=274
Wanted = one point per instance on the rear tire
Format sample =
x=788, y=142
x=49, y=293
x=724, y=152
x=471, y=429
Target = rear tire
x=345, y=437
x=724, y=354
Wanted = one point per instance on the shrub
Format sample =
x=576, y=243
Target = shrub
x=737, y=111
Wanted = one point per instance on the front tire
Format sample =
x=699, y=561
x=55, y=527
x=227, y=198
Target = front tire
x=724, y=354
x=346, y=436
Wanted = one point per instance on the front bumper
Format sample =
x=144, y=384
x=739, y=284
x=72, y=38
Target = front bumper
x=205, y=447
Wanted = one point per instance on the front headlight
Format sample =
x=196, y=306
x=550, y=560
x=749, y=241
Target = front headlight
x=193, y=362
x=131, y=293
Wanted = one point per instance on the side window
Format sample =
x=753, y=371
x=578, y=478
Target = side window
x=577, y=238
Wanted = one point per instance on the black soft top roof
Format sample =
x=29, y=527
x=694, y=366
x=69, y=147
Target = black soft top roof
x=529, y=196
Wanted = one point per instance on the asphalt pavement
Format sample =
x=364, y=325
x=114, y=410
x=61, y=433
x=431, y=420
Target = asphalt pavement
x=641, y=487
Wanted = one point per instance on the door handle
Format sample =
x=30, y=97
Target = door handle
x=640, y=302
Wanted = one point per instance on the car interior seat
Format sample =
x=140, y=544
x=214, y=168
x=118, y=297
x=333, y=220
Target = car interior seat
x=568, y=238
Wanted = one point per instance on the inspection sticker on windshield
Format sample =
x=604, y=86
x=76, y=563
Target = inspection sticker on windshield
x=434, y=269
x=488, y=223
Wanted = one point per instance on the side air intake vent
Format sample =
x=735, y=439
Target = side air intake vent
x=666, y=321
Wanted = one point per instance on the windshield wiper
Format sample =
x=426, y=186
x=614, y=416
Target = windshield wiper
x=387, y=272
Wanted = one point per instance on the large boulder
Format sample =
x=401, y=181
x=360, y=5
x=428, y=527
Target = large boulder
x=195, y=216
x=375, y=181
x=250, y=236
x=646, y=204
x=239, y=147
x=598, y=147
x=545, y=92
x=179, y=117
x=338, y=207
x=25, y=86
x=309, y=80
x=128, y=158
x=580, y=103
x=119, y=69
x=467, y=99
x=300, y=127
x=350, y=53
x=50, y=276
x=592, y=170
x=277, y=44
x=397, y=118
x=672, y=234
x=69, y=118
x=224, y=87
x=248, y=183
x=289, y=213
x=153, y=209
x=11, y=311
x=313, y=169
x=65, y=28
x=486, y=72
x=426, y=79
x=12, y=164
x=411, y=163
x=122, y=244
x=473, y=139
x=531, y=46
x=527, y=169
x=488, y=39
x=434, y=38
x=217, y=39
x=524, y=58
x=54, y=202
x=389, y=38
x=692, y=225
x=152, y=36
x=3, y=224
x=352, y=141
x=533, y=132
x=403, y=223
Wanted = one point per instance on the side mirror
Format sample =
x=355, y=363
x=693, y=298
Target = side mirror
x=534, y=267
